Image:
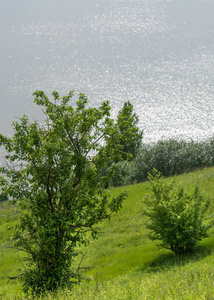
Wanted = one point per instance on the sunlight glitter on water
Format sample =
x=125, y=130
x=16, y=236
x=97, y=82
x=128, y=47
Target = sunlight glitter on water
x=127, y=50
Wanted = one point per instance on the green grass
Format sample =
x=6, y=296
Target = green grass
x=9, y=258
x=123, y=263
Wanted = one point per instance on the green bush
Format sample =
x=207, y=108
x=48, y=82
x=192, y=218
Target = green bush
x=176, y=218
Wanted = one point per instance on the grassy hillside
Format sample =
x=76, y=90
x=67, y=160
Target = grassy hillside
x=123, y=263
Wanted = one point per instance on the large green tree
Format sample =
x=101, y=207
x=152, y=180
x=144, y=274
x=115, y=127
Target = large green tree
x=53, y=175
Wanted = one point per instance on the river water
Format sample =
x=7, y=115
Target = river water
x=158, y=54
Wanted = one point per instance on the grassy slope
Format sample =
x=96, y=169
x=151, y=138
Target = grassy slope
x=125, y=264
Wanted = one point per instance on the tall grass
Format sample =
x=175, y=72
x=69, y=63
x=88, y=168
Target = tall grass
x=191, y=281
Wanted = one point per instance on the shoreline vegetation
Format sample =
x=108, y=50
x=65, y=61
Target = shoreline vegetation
x=170, y=157
x=123, y=263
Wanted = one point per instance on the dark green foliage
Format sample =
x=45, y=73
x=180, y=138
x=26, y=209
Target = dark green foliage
x=57, y=184
x=131, y=135
x=130, y=141
x=176, y=218
x=3, y=197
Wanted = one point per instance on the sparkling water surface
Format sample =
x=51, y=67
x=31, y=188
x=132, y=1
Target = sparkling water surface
x=158, y=54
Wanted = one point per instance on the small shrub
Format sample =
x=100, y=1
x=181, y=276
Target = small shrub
x=176, y=218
